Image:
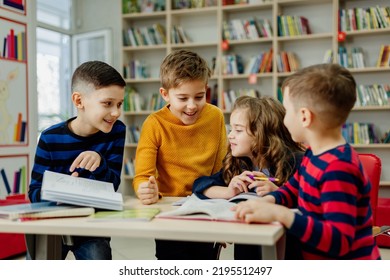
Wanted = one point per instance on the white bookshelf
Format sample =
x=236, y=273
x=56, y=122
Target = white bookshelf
x=204, y=28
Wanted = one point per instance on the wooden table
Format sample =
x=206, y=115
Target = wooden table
x=49, y=231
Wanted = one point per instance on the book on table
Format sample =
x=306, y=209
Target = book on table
x=195, y=208
x=42, y=210
x=67, y=189
x=142, y=214
x=236, y=199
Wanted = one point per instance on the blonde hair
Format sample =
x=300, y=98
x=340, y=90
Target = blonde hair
x=272, y=148
x=182, y=66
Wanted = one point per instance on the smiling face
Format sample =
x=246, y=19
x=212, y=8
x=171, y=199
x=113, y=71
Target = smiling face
x=239, y=138
x=97, y=110
x=186, y=101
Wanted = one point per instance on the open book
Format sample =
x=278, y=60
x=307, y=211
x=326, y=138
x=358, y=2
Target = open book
x=80, y=191
x=195, y=208
x=42, y=210
x=236, y=199
x=144, y=214
x=243, y=196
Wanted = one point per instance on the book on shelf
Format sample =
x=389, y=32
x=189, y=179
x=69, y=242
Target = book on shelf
x=384, y=56
x=194, y=208
x=5, y=181
x=142, y=214
x=67, y=189
x=42, y=210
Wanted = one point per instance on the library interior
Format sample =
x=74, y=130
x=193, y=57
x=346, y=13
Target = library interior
x=251, y=47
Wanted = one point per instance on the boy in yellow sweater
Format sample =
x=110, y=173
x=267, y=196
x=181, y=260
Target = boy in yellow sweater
x=179, y=143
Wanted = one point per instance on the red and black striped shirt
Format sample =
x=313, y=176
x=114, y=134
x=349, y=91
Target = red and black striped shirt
x=333, y=195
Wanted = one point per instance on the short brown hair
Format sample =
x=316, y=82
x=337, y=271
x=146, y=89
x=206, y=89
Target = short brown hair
x=97, y=74
x=329, y=90
x=183, y=66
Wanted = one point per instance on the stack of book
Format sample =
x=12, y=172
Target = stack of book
x=42, y=210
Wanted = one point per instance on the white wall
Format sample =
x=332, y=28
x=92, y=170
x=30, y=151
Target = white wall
x=94, y=15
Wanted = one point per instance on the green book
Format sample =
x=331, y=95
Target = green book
x=144, y=214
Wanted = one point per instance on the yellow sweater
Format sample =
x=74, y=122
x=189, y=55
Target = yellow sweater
x=177, y=154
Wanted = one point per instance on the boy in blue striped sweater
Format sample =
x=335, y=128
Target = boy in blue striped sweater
x=89, y=145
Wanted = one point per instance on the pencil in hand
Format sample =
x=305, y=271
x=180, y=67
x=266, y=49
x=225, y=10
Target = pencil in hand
x=258, y=178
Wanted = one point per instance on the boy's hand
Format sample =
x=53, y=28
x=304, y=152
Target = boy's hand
x=88, y=160
x=148, y=191
x=263, y=187
x=261, y=211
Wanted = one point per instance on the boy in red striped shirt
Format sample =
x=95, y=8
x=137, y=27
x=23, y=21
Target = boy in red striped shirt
x=330, y=188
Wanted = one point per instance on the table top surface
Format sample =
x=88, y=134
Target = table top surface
x=172, y=229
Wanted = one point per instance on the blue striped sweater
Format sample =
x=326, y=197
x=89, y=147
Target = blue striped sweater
x=58, y=147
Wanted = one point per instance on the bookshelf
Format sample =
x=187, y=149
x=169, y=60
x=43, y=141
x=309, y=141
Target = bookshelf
x=18, y=131
x=204, y=29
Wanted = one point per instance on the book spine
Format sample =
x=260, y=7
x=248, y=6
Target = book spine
x=6, y=183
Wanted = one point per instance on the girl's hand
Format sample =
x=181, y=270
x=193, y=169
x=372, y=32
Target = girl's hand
x=88, y=160
x=240, y=183
x=148, y=191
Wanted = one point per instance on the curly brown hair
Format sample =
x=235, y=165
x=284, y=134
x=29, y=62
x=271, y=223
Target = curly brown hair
x=272, y=148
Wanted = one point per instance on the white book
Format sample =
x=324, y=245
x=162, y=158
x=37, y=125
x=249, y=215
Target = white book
x=80, y=191
x=215, y=209
x=195, y=208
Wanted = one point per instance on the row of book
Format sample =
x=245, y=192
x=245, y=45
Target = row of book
x=133, y=134
x=178, y=36
x=134, y=102
x=287, y=62
x=230, y=96
x=20, y=129
x=364, y=18
x=191, y=4
x=129, y=167
x=352, y=58
x=145, y=36
x=252, y=28
x=18, y=185
x=241, y=2
x=14, y=46
x=373, y=95
x=142, y=6
x=136, y=69
x=360, y=133
x=232, y=64
x=261, y=63
x=384, y=56
x=293, y=25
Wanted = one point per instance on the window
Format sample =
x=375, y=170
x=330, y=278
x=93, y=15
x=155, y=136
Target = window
x=53, y=61
x=55, y=13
